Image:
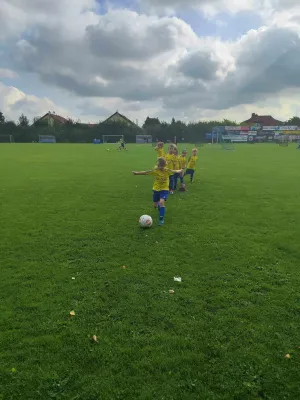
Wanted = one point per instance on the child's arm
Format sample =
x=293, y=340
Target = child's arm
x=141, y=172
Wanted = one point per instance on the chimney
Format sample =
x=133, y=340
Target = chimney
x=254, y=115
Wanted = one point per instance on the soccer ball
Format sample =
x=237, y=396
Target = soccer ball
x=145, y=221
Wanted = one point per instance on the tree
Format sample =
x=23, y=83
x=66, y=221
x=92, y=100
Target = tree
x=227, y=122
x=293, y=121
x=2, y=118
x=23, y=121
x=152, y=126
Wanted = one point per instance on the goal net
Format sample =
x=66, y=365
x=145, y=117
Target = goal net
x=112, y=138
x=7, y=139
x=143, y=139
x=226, y=143
x=283, y=141
x=47, y=139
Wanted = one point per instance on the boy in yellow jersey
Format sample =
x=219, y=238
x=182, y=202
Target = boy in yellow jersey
x=182, y=164
x=169, y=157
x=160, y=186
x=192, y=164
x=160, y=149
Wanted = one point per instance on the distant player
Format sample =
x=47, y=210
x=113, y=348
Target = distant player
x=122, y=145
x=191, y=166
x=182, y=165
x=160, y=186
x=160, y=149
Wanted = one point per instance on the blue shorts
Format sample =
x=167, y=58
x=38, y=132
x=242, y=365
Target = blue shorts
x=162, y=194
x=189, y=171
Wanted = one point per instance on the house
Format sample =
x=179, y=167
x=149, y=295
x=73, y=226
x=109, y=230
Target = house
x=263, y=120
x=51, y=118
x=117, y=117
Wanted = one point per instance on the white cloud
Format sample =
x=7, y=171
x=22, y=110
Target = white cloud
x=18, y=15
x=143, y=64
x=8, y=73
x=209, y=7
x=14, y=102
x=213, y=7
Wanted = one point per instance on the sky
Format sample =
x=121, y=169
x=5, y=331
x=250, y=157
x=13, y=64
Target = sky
x=188, y=59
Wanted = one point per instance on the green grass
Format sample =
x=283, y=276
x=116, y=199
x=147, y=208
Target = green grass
x=72, y=211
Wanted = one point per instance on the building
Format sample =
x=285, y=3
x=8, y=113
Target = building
x=263, y=120
x=51, y=118
x=117, y=117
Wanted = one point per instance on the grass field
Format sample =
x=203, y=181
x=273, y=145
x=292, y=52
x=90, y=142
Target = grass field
x=71, y=211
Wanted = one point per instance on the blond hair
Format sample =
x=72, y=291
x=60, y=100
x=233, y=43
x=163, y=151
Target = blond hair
x=172, y=146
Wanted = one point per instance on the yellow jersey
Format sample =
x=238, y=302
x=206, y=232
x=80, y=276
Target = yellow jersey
x=182, y=161
x=192, y=162
x=170, y=160
x=176, y=163
x=161, y=178
x=160, y=151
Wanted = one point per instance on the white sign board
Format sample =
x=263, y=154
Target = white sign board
x=232, y=128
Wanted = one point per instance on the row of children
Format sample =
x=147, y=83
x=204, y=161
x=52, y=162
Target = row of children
x=169, y=168
x=176, y=161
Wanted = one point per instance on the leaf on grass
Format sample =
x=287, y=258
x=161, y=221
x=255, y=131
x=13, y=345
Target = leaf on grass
x=171, y=291
x=94, y=339
x=287, y=356
x=177, y=279
x=124, y=267
x=72, y=313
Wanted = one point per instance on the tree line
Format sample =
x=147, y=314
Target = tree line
x=76, y=132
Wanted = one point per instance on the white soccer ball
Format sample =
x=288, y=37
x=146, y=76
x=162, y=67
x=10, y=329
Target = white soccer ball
x=145, y=221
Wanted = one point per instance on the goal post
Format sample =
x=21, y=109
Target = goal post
x=112, y=138
x=7, y=139
x=226, y=143
x=143, y=139
x=47, y=139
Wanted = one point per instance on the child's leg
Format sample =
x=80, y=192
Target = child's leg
x=156, y=199
x=181, y=178
x=192, y=175
x=162, y=206
x=171, y=183
x=162, y=209
x=176, y=176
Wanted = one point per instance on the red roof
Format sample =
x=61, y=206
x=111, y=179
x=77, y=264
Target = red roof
x=56, y=118
x=265, y=120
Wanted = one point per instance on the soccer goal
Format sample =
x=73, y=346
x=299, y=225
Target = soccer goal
x=112, y=138
x=143, y=139
x=226, y=143
x=47, y=139
x=283, y=141
x=7, y=139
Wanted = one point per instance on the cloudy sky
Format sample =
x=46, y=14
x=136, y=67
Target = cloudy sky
x=191, y=59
